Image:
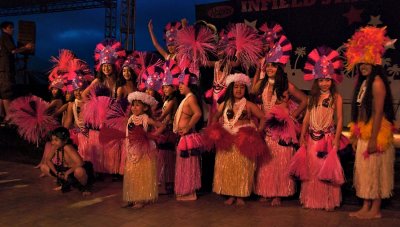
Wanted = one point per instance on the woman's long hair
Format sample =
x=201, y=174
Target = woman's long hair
x=366, y=105
x=315, y=93
x=281, y=82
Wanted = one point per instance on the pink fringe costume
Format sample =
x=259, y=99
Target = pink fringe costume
x=316, y=193
x=166, y=154
x=272, y=176
x=187, y=168
x=140, y=175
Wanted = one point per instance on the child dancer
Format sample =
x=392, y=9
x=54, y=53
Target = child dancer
x=234, y=166
x=140, y=175
x=320, y=133
x=272, y=178
x=167, y=142
x=372, y=121
x=187, y=169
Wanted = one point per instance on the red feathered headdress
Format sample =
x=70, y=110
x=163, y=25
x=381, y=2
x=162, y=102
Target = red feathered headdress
x=170, y=32
x=323, y=62
x=271, y=34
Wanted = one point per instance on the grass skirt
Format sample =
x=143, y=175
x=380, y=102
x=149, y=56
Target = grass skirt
x=233, y=173
x=272, y=175
x=374, y=176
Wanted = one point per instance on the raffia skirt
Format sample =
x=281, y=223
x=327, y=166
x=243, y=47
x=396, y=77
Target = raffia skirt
x=373, y=176
x=233, y=173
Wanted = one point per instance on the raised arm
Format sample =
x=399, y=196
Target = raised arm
x=158, y=47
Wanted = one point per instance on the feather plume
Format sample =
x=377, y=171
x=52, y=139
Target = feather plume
x=250, y=143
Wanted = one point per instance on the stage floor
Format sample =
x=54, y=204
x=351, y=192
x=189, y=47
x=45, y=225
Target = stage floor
x=27, y=200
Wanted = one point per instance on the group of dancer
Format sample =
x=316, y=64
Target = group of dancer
x=141, y=117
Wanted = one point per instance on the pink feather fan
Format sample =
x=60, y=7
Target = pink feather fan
x=250, y=143
x=243, y=43
x=29, y=113
x=298, y=164
x=331, y=171
x=217, y=135
x=95, y=111
x=195, y=44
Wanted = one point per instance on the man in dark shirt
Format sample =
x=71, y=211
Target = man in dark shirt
x=7, y=63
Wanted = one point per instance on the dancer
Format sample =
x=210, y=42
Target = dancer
x=140, y=175
x=322, y=132
x=188, y=115
x=69, y=169
x=272, y=178
x=234, y=166
x=372, y=120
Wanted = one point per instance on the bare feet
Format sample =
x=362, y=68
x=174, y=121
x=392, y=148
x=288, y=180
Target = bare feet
x=240, y=202
x=190, y=197
x=263, y=200
x=58, y=188
x=128, y=205
x=368, y=215
x=138, y=205
x=276, y=202
x=42, y=175
x=38, y=166
x=360, y=212
x=229, y=201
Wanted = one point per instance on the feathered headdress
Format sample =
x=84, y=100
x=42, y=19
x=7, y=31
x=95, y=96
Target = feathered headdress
x=195, y=44
x=58, y=74
x=238, y=77
x=152, y=79
x=186, y=77
x=170, y=32
x=79, y=75
x=323, y=62
x=171, y=72
x=143, y=97
x=367, y=45
x=130, y=62
x=244, y=44
x=109, y=51
x=143, y=60
x=280, y=51
x=271, y=34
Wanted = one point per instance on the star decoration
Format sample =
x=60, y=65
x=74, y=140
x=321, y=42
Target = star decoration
x=390, y=44
x=375, y=20
x=353, y=15
x=251, y=23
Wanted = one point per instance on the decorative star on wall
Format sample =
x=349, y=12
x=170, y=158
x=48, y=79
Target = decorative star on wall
x=252, y=24
x=353, y=15
x=375, y=20
x=390, y=44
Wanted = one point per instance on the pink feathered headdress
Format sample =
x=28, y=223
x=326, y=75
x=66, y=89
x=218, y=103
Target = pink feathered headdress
x=79, y=75
x=130, y=62
x=271, y=34
x=170, y=32
x=244, y=44
x=152, y=79
x=171, y=72
x=323, y=62
x=186, y=77
x=58, y=74
x=109, y=51
x=280, y=51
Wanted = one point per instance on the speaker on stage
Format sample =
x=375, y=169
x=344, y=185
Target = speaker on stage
x=27, y=34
